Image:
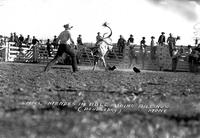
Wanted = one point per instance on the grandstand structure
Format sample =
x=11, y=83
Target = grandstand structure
x=39, y=54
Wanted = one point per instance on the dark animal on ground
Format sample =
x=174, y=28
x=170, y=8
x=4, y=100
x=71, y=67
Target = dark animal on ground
x=136, y=70
x=112, y=68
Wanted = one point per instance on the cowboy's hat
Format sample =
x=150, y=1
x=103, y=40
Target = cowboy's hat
x=152, y=37
x=67, y=26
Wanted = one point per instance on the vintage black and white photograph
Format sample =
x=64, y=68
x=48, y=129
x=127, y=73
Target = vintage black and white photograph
x=100, y=69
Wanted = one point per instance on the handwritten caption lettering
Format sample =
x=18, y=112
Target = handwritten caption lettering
x=104, y=107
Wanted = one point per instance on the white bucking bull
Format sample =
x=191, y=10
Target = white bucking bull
x=101, y=48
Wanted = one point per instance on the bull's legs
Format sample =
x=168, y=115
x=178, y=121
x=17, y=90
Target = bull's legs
x=104, y=63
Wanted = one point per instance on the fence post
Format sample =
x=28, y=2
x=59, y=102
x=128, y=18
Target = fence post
x=35, y=55
x=7, y=52
x=3, y=52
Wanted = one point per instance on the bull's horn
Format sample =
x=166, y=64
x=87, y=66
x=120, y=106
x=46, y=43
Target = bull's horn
x=105, y=24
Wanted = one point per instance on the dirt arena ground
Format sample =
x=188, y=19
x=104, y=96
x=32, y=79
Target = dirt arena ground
x=97, y=104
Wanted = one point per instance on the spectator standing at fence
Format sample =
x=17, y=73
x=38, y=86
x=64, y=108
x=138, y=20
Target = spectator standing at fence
x=121, y=44
x=11, y=39
x=171, y=43
x=130, y=40
x=181, y=50
x=64, y=47
x=16, y=39
x=196, y=42
x=48, y=44
x=143, y=46
x=143, y=50
x=132, y=55
x=55, y=43
x=98, y=37
x=21, y=40
x=35, y=54
x=193, y=60
x=153, y=48
x=175, y=56
x=34, y=41
x=161, y=39
x=1, y=42
x=77, y=48
x=198, y=54
x=95, y=48
x=190, y=58
x=27, y=40
x=79, y=40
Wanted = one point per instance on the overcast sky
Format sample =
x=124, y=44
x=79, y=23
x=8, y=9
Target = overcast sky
x=45, y=18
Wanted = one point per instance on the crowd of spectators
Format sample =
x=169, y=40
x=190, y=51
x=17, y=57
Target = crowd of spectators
x=20, y=40
x=193, y=54
x=174, y=52
x=194, y=58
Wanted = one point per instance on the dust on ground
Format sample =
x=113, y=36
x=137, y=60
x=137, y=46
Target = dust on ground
x=97, y=104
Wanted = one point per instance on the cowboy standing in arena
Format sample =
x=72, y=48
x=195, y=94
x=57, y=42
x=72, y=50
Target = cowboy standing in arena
x=64, y=47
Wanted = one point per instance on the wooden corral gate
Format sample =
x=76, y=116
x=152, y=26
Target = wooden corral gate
x=26, y=53
x=38, y=54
